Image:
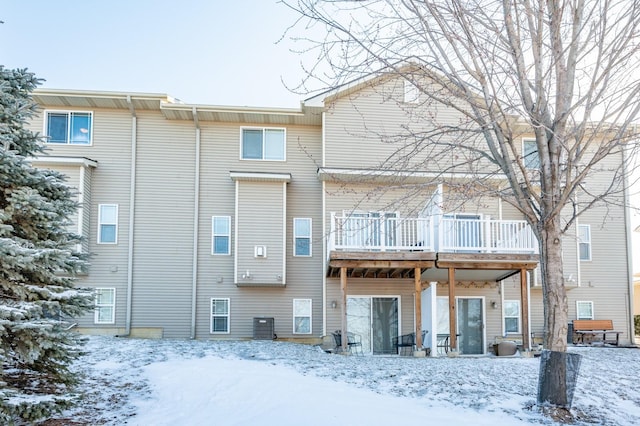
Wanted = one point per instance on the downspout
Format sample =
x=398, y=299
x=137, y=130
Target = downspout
x=627, y=222
x=324, y=239
x=132, y=206
x=196, y=218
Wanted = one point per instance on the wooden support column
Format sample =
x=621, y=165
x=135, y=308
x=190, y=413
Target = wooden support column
x=343, y=295
x=418, y=307
x=453, y=318
x=524, y=296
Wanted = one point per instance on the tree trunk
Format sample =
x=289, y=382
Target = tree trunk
x=554, y=292
x=558, y=370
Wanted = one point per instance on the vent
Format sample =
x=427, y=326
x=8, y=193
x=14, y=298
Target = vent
x=260, y=251
x=263, y=329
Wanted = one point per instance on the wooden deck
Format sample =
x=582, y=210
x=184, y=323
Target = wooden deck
x=368, y=264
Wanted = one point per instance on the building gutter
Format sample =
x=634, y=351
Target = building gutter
x=196, y=218
x=132, y=211
x=627, y=224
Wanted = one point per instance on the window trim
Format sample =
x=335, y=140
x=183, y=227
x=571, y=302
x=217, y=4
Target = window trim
x=227, y=315
x=101, y=222
x=310, y=315
x=45, y=130
x=263, y=129
x=518, y=317
x=296, y=236
x=96, y=315
x=586, y=302
x=214, y=235
x=524, y=155
x=588, y=243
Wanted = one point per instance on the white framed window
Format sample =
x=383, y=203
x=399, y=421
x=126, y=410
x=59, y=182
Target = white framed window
x=302, y=236
x=68, y=127
x=511, y=313
x=221, y=235
x=302, y=316
x=530, y=154
x=411, y=93
x=108, y=224
x=105, y=309
x=584, y=310
x=262, y=143
x=220, y=315
x=584, y=241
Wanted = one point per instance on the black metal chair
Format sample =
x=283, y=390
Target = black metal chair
x=354, y=342
x=404, y=343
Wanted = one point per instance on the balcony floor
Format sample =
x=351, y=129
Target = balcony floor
x=380, y=264
x=483, y=267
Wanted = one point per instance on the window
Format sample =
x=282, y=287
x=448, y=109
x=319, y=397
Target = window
x=302, y=316
x=108, y=224
x=105, y=312
x=68, y=127
x=219, y=316
x=221, y=235
x=511, y=311
x=411, y=93
x=302, y=236
x=530, y=154
x=263, y=144
x=584, y=310
x=584, y=241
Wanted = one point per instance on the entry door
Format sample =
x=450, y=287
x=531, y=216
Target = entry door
x=470, y=325
x=375, y=319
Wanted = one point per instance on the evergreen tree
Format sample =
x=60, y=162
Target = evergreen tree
x=39, y=259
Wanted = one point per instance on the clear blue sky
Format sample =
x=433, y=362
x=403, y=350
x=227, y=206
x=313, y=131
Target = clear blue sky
x=220, y=52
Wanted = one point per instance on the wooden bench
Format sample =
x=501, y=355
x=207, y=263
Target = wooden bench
x=594, y=328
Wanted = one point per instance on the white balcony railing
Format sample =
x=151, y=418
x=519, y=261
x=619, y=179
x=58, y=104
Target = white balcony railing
x=485, y=236
x=381, y=233
x=435, y=233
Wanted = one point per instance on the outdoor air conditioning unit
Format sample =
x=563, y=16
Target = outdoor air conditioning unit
x=263, y=328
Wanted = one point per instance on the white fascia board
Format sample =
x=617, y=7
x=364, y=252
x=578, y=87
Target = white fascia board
x=329, y=174
x=260, y=176
x=64, y=161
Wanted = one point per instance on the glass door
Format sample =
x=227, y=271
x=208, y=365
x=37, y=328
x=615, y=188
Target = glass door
x=384, y=312
x=375, y=319
x=470, y=325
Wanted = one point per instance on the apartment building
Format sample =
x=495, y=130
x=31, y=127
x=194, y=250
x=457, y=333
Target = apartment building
x=218, y=222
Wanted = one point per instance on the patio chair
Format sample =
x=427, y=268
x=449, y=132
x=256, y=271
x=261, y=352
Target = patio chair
x=354, y=342
x=405, y=343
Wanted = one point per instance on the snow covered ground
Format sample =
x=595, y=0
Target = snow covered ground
x=179, y=382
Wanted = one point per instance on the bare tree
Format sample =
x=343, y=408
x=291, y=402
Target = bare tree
x=564, y=71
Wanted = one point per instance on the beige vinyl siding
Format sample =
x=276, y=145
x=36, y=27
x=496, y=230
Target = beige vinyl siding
x=373, y=124
x=110, y=182
x=107, y=184
x=86, y=209
x=260, y=225
x=163, y=248
x=220, y=148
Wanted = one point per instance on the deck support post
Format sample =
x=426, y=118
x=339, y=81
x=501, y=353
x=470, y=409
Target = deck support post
x=418, y=307
x=453, y=340
x=524, y=296
x=343, y=295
